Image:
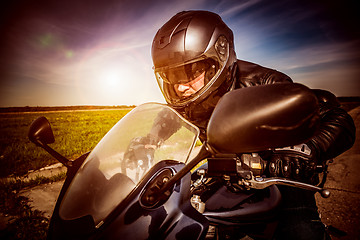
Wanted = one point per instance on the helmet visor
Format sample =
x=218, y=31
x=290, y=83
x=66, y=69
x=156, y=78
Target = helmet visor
x=182, y=82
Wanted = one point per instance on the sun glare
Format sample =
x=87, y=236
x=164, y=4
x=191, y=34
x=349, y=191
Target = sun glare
x=116, y=78
x=110, y=79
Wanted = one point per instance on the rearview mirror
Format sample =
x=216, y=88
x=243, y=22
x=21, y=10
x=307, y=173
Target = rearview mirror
x=258, y=118
x=40, y=132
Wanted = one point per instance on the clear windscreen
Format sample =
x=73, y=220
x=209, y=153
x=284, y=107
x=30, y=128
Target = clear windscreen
x=126, y=153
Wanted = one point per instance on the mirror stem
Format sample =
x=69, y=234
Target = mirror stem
x=67, y=163
x=203, y=153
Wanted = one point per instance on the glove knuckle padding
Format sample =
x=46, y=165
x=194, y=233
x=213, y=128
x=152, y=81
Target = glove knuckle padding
x=294, y=162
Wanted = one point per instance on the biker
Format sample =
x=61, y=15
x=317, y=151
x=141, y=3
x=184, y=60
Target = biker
x=195, y=64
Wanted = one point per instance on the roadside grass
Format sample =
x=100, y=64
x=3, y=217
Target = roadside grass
x=23, y=222
x=76, y=132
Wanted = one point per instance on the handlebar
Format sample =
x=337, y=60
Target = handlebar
x=244, y=170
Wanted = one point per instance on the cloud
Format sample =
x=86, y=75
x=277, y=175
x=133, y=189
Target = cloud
x=341, y=81
x=228, y=9
x=319, y=54
x=334, y=67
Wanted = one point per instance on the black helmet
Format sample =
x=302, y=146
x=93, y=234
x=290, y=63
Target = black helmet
x=194, y=48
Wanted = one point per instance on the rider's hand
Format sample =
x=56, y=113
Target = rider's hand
x=140, y=152
x=295, y=162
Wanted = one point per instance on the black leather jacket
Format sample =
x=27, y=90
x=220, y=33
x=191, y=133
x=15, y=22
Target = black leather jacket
x=337, y=129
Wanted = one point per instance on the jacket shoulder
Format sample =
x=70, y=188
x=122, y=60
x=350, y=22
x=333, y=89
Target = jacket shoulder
x=252, y=74
x=326, y=97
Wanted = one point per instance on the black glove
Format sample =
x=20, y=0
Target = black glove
x=140, y=153
x=295, y=162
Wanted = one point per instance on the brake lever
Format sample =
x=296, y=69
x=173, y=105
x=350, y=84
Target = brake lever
x=261, y=183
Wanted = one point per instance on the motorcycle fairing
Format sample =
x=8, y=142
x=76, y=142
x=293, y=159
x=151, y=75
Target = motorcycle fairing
x=172, y=220
x=249, y=212
x=79, y=229
x=229, y=208
x=175, y=219
x=101, y=188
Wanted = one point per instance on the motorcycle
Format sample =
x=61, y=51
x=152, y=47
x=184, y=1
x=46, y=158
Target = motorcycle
x=185, y=189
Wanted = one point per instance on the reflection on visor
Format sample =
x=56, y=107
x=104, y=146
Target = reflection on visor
x=190, y=88
x=179, y=84
x=187, y=73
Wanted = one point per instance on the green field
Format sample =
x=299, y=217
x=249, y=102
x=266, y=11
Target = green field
x=76, y=132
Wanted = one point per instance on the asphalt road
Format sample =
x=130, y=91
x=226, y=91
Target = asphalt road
x=341, y=210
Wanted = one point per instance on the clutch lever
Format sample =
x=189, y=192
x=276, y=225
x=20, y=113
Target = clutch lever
x=261, y=183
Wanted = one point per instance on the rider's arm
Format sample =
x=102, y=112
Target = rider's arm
x=165, y=125
x=143, y=147
x=337, y=129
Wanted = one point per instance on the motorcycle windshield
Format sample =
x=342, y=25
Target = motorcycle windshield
x=146, y=135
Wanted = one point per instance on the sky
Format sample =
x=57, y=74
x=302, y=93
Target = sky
x=94, y=52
